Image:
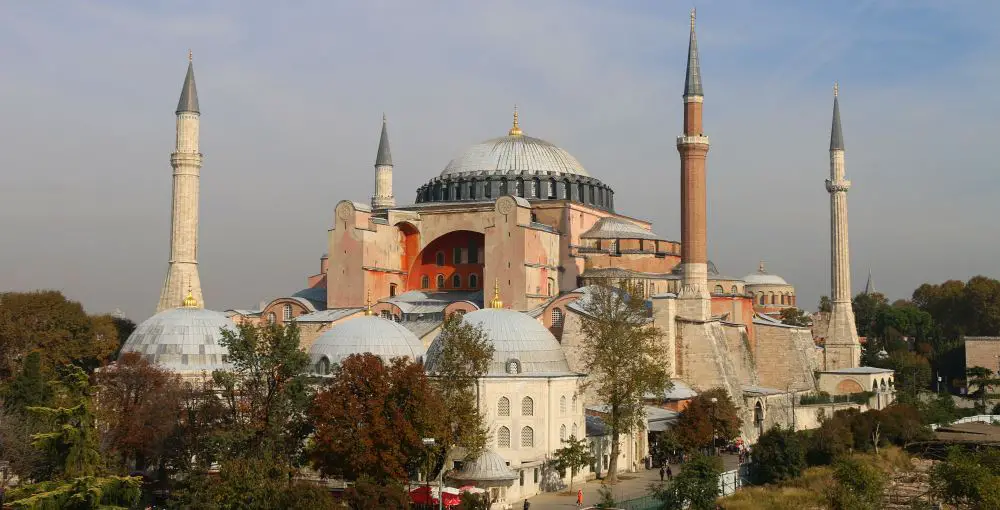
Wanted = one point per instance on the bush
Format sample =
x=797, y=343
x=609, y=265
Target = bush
x=80, y=494
x=967, y=479
x=859, y=486
x=832, y=439
x=696, y=487
x=779, y=455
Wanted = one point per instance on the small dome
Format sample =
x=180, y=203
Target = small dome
x=522, y=345
x=184, y=340
x=762, y=277
x=515, y=153
x=368, y=334
x=489, y=466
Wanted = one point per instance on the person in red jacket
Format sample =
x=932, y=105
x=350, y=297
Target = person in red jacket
x=579, y=498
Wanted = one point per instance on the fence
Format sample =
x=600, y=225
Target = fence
x=730, y=481
x=643, y=503
x=979, y=418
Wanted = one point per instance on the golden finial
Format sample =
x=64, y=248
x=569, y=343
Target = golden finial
x=516, y=130
x=368, y=305
x=190, y=301
x=190, y=55
x=836, y=89
x=693, y=14
x=495, y=302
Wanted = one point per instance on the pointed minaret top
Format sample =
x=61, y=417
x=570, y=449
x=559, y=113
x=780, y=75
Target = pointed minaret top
x=189, y=93
x=515, y=130
x=692, y=81
x=836, y=135
x=870, y=285
x=384, y=156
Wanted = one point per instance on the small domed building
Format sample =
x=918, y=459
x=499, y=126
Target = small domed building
x=770, y=292
x=529, y=397
x=185, y=340
x=369, y=333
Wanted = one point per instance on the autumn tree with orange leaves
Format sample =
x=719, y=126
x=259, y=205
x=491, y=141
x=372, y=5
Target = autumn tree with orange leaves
x=371, y=419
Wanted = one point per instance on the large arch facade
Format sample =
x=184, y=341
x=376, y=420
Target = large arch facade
x=452, y=257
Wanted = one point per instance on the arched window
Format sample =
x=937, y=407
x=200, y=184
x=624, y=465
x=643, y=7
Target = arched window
x=456, y=281
x=527, y=437
x=513, y=367
x=527, y=407
x=440, y=281
x=323, y=366
x=271, y=318
x=439, y=258
x=503, y=437
x=473, y=281
x=573, y=410
x=772, y=298
x=734, y=290
x=562, y=405
x=760, y=298
x=552, y=287
x=386, y=314
x=552, y=188
x=503, y=406
x=425, y=282
x=456, y=256
x=719, y=289
x=519, y=187
x=574, y=435
x=286, y=312
x=392, y=289
x=557, y=318
x=562, y=433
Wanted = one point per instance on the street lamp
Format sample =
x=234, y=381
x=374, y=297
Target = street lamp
x=429, y=442
x=714, y=401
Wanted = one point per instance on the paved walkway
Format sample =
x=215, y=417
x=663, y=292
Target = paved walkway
x=629, y=486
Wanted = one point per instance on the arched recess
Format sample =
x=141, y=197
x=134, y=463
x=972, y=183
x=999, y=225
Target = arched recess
x=469, y=243
x=409, y=239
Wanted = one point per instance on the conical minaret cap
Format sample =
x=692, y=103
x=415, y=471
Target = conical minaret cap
x=692, y=80
x=384, y=156
x=836, y=134
x=189, y=93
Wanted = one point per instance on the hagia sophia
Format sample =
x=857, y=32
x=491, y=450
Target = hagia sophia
x=512, y=234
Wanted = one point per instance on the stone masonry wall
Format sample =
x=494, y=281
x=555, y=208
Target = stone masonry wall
x=785, y=357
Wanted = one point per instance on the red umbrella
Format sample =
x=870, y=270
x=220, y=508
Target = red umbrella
x=422, y=495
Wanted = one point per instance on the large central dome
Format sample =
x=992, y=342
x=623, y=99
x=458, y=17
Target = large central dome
x=518, y=153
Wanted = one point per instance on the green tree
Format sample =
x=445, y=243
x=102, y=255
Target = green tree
x=471, y=501
x=71, y=441
x=250, y=484
x=265, y=395
x=371, y=419
x=460, y=356
x=779, y=455
x=22, y=459
x=832, y=439
x=605, y=497
x=665, y=445
x=696, y=487
x=573, y=456
x=795, y=317
x=825, y=305
x=623, y=354
x=964, y=479
x=866, y=309
x=913, y=373
x=29, y=388
x=703, y=422
x=366, y=493
x=859, y=485
x=983, y=380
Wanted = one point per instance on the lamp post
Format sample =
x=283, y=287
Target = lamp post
x=714, y=401
x=429, y=442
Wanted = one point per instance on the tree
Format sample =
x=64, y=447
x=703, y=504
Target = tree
x=982, y=379
x=825, y=305
x=665, y=445
x=22, y=459
x=366, y=493
x=779, y=455
x=866, y=308
x=472, y=501
x=71, y=442
x=696, y=487
x=703, y=422
x=605, y=498
x=463, y=355
x=832, y=439
x=29, y=388
x=967, y=479
x=371, y=419
x=138, y=406
x=574, y=456
x=795, y=317
x=913, y=373
x=251, y=484
x=859, y=485
x=624, y=357
x=265, y=395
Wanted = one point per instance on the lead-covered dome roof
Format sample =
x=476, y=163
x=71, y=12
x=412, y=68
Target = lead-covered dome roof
x=762, y=277
x=367, y=334
x=184, y=340
x=522, y=345
x=515, y=153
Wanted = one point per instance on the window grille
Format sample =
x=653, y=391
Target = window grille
x=503, y=407
x=527, y=407
x=562, y=405
x=557, y=318
x=562, y=433
x=527, y=437
x=503, y=437
x=286, y=312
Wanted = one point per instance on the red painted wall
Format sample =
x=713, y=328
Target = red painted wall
x=426, y=262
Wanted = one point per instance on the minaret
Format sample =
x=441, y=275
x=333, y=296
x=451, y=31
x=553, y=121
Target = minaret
x=870, y=284
x=842, y=347
x=693, y=148
x=383, y=199
x=182, y=273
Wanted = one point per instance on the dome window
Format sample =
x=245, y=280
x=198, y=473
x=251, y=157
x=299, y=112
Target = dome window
x=557, y=318
x=513, y=367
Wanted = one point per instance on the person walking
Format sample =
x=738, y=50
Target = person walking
x=527, y=505
x=579, y=498
x=661, y=473
x=670, y=474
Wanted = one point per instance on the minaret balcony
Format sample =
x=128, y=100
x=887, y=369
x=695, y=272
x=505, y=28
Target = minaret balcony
x=839, y=185
x=692, y=140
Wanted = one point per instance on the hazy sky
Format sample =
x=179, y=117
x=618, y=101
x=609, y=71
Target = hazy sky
x=292, y=100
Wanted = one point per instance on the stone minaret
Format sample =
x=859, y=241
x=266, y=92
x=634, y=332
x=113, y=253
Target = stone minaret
x=182, y=274
x=842, y=347
x=383, y=199
x=693, y=148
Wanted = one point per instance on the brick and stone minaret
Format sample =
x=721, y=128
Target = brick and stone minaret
x=182, y=274
x=695, y=301
x=383, y=199
x=842, y=348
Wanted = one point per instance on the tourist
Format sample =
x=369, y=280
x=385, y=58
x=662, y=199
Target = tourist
x=670, y=473
x=661, y=473
x=579, y=498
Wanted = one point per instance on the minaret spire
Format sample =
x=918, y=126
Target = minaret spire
x=383, y=198
x=182, y=286
x=695, y=302
x=842, y=348
x=870, y=284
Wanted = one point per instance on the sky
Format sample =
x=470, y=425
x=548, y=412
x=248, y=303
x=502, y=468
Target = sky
x=292, y=97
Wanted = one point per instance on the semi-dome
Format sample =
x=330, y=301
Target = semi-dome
x=762, y=277
x=514, y=153
x=522, y=345
x=184, y=340
x=368, y=334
